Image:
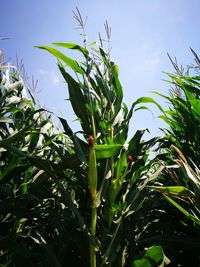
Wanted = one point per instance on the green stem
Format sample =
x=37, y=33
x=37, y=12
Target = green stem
x=92, y=183
x=93, y=233
x=112, y=158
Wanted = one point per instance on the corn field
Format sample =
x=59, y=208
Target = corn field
x=96, y=198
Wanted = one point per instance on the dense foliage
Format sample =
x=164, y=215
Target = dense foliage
x=179, y=183
x=92, y=197
x=30, y=207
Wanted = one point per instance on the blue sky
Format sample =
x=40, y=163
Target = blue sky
x=143, y=31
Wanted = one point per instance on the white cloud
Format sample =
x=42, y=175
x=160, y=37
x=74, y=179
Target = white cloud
x=50, y=76
x=150, y=56
x=55, y=79
x=148, y=61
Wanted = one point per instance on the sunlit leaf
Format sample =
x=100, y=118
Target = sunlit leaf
x=107, y=151
x=67, y=60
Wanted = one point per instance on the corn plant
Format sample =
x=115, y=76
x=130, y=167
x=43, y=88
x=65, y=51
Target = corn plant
x=182, y=117
x=61, y=198
x=28, y=196
x=182, y=137
x=71, y=197
x=86, y=192
x=179, y=183
x=113, y=172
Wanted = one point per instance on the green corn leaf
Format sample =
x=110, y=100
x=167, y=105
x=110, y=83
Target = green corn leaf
x=48, y=167
x=115, y=188
x=143, y=107
x=155, y=253
x=104, y=56
x=121, y=165
x=73, y=46
x=80, y=148
x=111, y=249
x=66, y=127
x=107, y=151
x=189, y=96
x=184, y=211
x=118, y=88
x=142, y=100
x=135, y=140
x=14, y=137
x=154, y=256
x=4, y=143
x=146, y=99
x=92, y=44
x=174, y=190
x=159, y=94
x=67, y=60
x=165, y=119
x=195, y=103
x=34, y=138
x=77, y=100
x=142, y=263
x=68, y=161
x=191, y=88
x=104, y=87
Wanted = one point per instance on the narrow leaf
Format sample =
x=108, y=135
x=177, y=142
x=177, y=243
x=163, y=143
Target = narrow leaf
x=68, y=61
x=73, y=46
x=185, y=212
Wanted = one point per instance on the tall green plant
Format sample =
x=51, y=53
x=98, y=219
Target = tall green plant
x=89, y=187
x=179, y=154
x=28, y=196
x=112, y=171
x=181, y=141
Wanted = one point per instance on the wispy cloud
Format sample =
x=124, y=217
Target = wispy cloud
x=55, y=79
x=50, y=76
x=149, y=57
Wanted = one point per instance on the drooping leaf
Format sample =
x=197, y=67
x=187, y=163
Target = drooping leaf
x=174, y=190
x=80, y=148
x=73, y=46
x=67, y=60
x=134, y=143
x=184, y=211
x=66, y=127
x=77, y=100
x=146, y=99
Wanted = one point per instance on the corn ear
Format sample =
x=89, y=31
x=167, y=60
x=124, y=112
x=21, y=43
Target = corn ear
x=116, y=185
x=92, y=172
